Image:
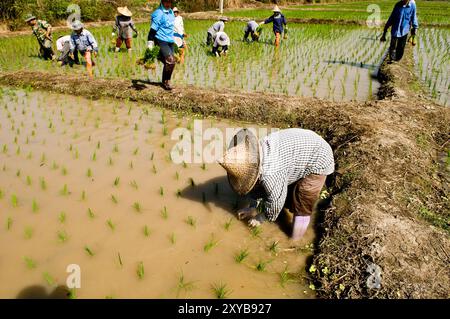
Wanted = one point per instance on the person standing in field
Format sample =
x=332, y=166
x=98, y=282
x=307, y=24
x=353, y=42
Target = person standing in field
x=279, y=23
x=63, y=47
x=286, y=169
x=179, y=33
x=219, y=26
x=402, y=19
x=124, y=27
x=251, y=29
x=83, y=41
x=162, y=34
x=222, y=42
x=43, y=33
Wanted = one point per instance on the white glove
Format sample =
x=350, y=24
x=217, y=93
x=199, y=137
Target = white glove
x=113, y=34
x=257, y=221
x=150, y=45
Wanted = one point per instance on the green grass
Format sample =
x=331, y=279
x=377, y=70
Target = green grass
x=220, y=290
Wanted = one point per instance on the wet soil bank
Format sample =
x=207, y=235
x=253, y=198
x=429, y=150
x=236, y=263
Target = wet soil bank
x=388, y=219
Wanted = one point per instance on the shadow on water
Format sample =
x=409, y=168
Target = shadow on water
x=39, y=292
x=140, y=85
x=355, y=64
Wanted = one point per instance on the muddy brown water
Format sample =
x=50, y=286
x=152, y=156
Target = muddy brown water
x=59, y=138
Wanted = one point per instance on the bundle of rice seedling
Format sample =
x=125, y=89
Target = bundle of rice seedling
x=149, y=59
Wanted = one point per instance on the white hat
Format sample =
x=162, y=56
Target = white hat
x=242, y=162
x=77, y=25
x=276, y=9
x=222, y=38
x=175, y=9
x=223, y=19
x=124, y=11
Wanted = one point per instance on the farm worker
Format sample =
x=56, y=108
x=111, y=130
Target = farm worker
x=402, y=19
x=179, y=34
x=84, y=42
x=124, y=26
x=43, y=32
x=250, y=29
x=63, y=47
x=221, y=41
x=279, y=21
x=161, y=34
x=219, y=26
x=287, y=168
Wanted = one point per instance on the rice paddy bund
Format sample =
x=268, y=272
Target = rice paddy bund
x=92, y=183
x=325, y=61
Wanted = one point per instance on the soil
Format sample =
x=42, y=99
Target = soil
x=389, y=206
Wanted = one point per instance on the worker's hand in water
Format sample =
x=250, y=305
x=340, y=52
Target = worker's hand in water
x=257, y=221
x=247, y=213
x=383, y=38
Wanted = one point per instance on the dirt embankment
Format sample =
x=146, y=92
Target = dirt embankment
x=389, y=206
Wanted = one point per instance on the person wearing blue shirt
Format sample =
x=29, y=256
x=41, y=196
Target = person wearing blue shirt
x=279, y=21
x=83, y=41
x=402, y=19
x=161, y=34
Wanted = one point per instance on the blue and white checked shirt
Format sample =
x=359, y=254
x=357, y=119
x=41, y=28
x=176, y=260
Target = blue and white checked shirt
x=83, y=42
x=288, y=156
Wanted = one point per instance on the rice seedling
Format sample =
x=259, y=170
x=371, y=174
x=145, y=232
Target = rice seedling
x=29, y=262
x=164, y=213
x=28, y=232
x=203, y=166
x=256, y=231
x=227, y=224
x=1, y=194
x=134, y=184
x=18, y=173
x=154, y=169
x=184, y=285
x=116, y=148
x=89, y=251
x=62, y=236
x=131, y=165
x=220, y=290
x=62, y=217
x=114, y=199
x=210, y=244
x=285, y=277
x=91, y=213
x=64, y=191
x=241, y=255
x=64, y=171
x=191, y=182
x=140, y=270
x=34, y=206
x=178, y=193
x=89, y=173
x=110, y=224
x=9, y=223
x=14, y=200
x=110, y=161
x=161, y=191
x=29, y=181
x=49, y=279
x=147, y=231
x=83, y=195
x=117, y=181
x=137, y=207
x=119, y=257
x=172, y=238
x=261, y=265
x=43, y=183
x=136, y=151
x=94, y=156
x=274, y=247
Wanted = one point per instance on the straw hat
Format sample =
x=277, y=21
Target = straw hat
x=29, y=17
x=77, y=25
x=124, y=11
x=223, y=39
x=242, y=162
x=175, y=9
x=276, y=9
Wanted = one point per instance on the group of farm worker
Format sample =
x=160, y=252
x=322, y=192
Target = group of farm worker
x=285, y=170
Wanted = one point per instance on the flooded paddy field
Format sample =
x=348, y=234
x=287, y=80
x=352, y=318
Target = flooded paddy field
x=92, y=183
x=331, y=62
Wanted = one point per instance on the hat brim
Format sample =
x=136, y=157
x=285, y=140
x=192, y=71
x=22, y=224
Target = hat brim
x=124, y=12
x=30, y=19
x=243, y=185
x=222, y=43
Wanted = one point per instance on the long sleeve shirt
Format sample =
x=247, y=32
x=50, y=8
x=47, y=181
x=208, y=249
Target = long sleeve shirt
x=279, y=21
x=124, y=26
x=163, y=24
x=62, y=41
x=219, y=26
x=40, y=30
x=84, y=41
x=251, y=26
x=288, y=156
x=402, y=18
x=178, y=27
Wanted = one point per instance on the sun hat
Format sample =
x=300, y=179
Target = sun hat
x=242, y=162
x=124, y=11
x=29, y=17
x=175, y=9
x=222, y=38
x=223, y=19
x=77, y=25
x=276, y=9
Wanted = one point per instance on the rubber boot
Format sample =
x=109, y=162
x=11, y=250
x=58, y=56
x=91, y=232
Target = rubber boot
x=299, y=226
x=167, y=75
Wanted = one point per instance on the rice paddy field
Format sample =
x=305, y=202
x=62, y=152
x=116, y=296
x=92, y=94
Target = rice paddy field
x=92, y=183
x=342, y=72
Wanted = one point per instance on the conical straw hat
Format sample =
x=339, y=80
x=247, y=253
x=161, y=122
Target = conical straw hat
x=242, y=162
x=124, y=11
x=276, y=9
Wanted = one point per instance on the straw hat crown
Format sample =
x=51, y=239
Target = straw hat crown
x=276, y=9
x=242, y=162
x=124, y=11
x=29, y=17
x=175, y=9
